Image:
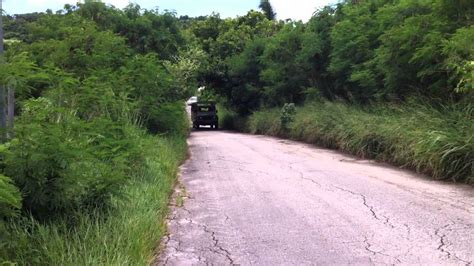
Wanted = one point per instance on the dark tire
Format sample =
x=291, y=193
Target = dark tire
x=216, y=126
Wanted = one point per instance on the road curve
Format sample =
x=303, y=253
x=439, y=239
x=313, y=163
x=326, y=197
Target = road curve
x=260, y=200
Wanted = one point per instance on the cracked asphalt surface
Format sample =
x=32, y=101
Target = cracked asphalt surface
x=261, y=200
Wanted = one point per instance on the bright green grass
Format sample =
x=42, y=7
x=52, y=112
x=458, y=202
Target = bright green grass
x=129, y=235
x=435, y=141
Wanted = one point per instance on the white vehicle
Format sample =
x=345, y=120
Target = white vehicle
x=192, y=100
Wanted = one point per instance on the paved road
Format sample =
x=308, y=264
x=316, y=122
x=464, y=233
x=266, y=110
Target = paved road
x=260, y=200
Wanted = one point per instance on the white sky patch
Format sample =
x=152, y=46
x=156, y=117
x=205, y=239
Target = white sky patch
x=41, y=3
x=36, y=4
x=118, y=3
x=294, y=9
x=297, y=9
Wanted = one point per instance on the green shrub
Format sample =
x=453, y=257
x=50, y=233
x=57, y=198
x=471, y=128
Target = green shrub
x=229, y=119
x=287, y=115
x=63, y=164
x=265, y=123
x=10, y=204
x=10, y=198
x=126, y=235
x=168, y=118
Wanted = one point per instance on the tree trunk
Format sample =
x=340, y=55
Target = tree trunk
x=2, y=91
x=3, y=117
x=1, y=28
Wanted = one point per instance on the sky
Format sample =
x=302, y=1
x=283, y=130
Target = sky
x=294, y=9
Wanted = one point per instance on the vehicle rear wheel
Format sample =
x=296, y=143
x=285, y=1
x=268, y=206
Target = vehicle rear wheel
x=216, y=125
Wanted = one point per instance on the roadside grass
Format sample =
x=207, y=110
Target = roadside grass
x=127, y=235
x=434, y=141
x=230, y=120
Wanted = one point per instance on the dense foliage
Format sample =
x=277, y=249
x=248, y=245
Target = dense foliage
x=90, y=80
x=358, y=51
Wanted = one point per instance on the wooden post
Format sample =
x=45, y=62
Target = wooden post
x=11, y=111
x=2, y=91
x=3, y=117
x=1, y=28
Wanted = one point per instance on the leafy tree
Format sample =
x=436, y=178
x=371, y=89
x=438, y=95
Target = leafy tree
x=229, y=38
x=145, y=30
x=184, y=69
x=409, y=56
x=284, y=77
x=247, y=97
x=316, y=49
x=353, y=40
x=207, y=31
x=459, y=12
x=16, y=26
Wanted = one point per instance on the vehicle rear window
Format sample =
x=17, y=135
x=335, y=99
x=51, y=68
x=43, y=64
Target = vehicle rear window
x=207, y=108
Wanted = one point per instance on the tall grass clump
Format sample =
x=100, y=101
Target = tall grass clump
x=81, y=192
x=126, y=234
x=84, y=192
x=437, y=141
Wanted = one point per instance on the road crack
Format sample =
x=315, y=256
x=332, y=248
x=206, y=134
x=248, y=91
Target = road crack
x=215, y=240
x=364, y=201
x=387, y=222
x=309, y=179
x=368, y=247
x=174, y=245
x=216, y=245
x=444, y=243
x=302, y=176
x=408, y=229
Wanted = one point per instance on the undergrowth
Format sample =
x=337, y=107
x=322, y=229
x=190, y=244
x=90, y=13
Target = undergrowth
x=127, y=234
